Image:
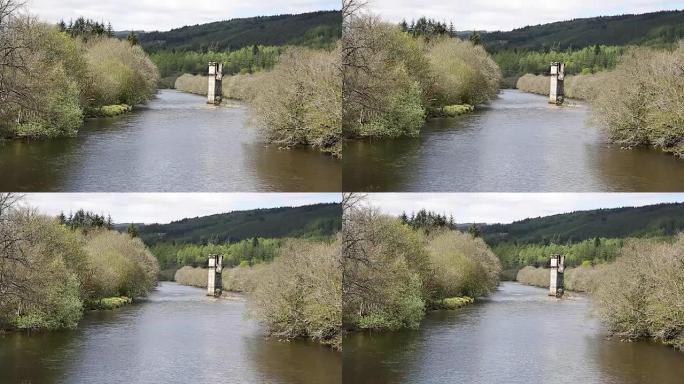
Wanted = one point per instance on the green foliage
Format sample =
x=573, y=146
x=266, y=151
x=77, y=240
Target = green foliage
x=586, y=60
x=427, y=220
x=590, y=251
x=249, y=251
x=457, y=110
x=109, y=303
x=299, y=102
x=640, y=103
x=315, y=30
x=299, y=294
x=111, y=110
x=455, y=302
x=244, y=60
x=659, y=29
x=86, y=28
x=311, y=221
x=85, y=221
x=394, y=272
x=120, y=73
x=392, y=78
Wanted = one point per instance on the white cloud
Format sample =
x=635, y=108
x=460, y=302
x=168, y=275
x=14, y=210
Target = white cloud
x=164, y=15
x=167, y=207
x=509, y=14
x=509, y=207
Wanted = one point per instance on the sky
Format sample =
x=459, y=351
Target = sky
x=508, y=207
x=151, y=208
x=164, y=15
x=504, y=15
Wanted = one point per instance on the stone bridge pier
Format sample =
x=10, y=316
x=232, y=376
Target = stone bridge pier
x=215, y=90
x=556, y=286
x=214, y=282
x=557, y=91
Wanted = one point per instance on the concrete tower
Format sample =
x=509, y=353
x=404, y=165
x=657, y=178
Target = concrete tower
x=215, y=90
x=557, y=92
x=556, y=287
x=214, y=284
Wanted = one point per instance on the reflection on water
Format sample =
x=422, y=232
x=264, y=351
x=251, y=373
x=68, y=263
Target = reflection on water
x=519, y=143
x=176, y=143
x=178, y=335
x=519, y=335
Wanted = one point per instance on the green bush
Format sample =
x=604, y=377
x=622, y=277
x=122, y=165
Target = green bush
x=457, y=110
x=109, y=303
x=299, y=294
x=299, y=102
x=455, y=302
x=642, y=296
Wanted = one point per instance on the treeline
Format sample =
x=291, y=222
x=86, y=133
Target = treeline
x=583, y=61
x=394, y=80
x=49, y=272
x=639, y=295
x=242, y=61
x=51, y=80
x=393, y=273
x=665, y=219
x=243, y=253
x=318, y=30
x=587, y=252
x=315, y=221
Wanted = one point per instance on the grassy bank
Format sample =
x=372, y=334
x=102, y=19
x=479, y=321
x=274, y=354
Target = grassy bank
x=109, y=303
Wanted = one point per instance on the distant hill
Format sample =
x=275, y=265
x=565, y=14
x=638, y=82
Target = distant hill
x=656, y=29
x=315, y=29
x=652, y=220
x=317, y=220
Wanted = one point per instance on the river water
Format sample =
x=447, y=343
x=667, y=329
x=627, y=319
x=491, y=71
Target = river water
x=518, y=335
x=174, y=143
x=177, y=335
x=518, y=143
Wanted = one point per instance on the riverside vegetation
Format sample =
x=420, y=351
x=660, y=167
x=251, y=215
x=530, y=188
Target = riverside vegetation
x=52, y=77
x=637, y=296
x=393, y=272
x=639, y=102
x=295, y=291
x=50, y=271
x=393, y=80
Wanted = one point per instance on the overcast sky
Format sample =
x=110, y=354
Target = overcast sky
x=509, y=207
x=509, y=14
x=168, y=14
x=166, y=207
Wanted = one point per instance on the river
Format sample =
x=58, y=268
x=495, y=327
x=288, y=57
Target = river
x=177, y=335
x=518, y=335
x=518, y=143
x=174, y=143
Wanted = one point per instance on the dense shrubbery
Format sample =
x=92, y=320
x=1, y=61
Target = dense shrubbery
x=299, y=102
x=299, y=294
x=49, y=272
x=393, y=273
x=393, y=80
x=642, y=294
x=50, y=80
x=641, y=102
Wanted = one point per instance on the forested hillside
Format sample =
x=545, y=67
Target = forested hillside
x=317, y=220
x=316, y=30
x=652, y=220
x=655, y=29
